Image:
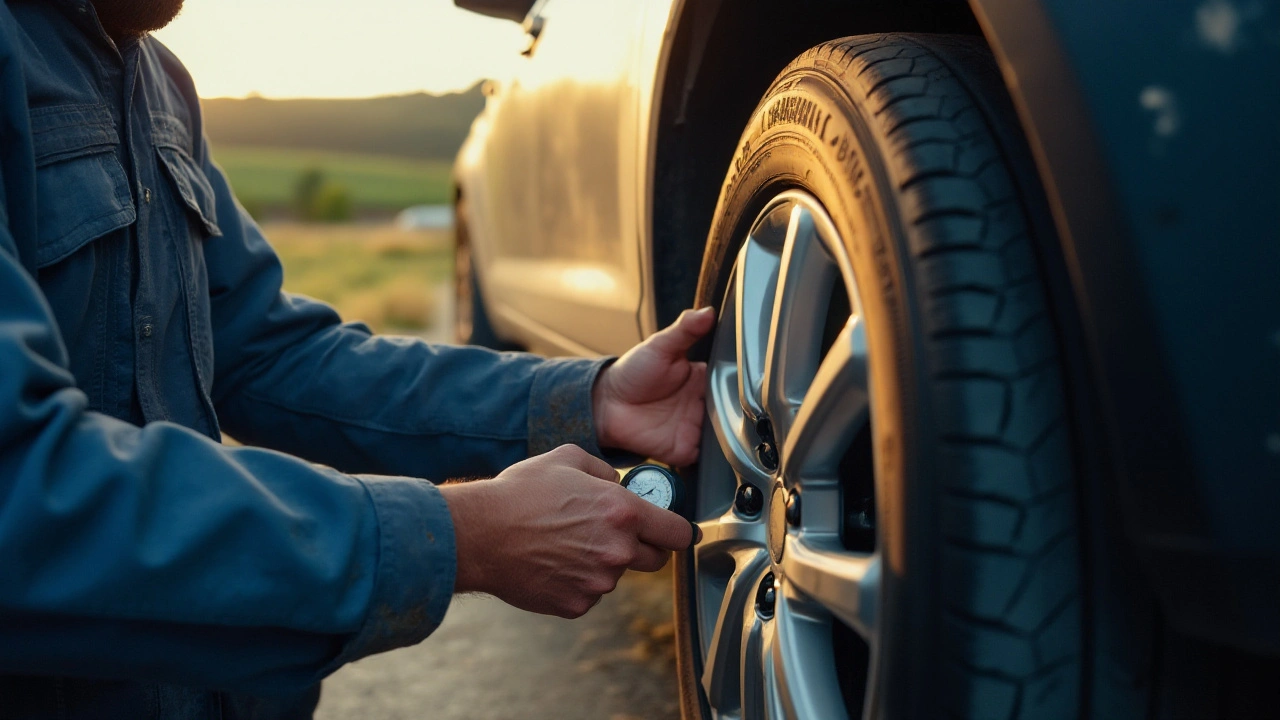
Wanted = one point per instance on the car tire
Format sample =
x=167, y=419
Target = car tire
x=471, y=324
x=932, y=567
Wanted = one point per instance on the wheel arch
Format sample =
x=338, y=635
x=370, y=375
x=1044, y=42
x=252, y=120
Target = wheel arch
x=721, y=59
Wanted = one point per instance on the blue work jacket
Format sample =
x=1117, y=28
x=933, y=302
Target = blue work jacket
x=146, y=569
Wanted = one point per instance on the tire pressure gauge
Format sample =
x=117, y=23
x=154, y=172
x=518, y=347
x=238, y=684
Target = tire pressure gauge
x=655, y=485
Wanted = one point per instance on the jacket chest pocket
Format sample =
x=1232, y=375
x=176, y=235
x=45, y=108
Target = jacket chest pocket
x=82, y=190
x=187, y=179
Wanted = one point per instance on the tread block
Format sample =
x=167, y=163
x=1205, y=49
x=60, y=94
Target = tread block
x=968, y=354
x=938, y=195
x=908, y=86
x=905, y=110
x=972, y=408
x=981, y=522
x=1048, y=459
x=1050, y=581
x=983, y=586
x=961, y=269
x=943, y=232
x=1054, y=642
x=984, y=697
x=1020, y=304
x=1051, y=696
x=990, y=650
x=890, y=68
x=987, y=470
x=961, y=311
x=1035, y=407
x=931, y=158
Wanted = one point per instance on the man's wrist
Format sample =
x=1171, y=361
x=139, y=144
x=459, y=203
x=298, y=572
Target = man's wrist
x=467, y=516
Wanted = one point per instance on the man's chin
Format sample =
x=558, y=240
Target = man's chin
x=133, y=18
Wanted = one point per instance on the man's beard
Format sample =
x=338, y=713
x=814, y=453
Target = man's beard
x=132, y=18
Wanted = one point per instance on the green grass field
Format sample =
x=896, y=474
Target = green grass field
x=378, y=274
x=264, y=178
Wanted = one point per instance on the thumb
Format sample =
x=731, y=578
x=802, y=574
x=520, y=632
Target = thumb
x=689, y=328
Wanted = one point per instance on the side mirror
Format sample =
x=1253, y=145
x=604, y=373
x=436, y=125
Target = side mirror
x=505, y=9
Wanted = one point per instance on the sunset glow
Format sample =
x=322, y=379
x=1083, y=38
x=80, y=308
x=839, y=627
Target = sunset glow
x=336, y=48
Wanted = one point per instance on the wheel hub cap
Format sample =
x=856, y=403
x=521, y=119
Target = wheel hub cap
x=778, y=522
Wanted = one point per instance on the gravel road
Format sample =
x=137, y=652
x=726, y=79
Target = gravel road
x=489, y=661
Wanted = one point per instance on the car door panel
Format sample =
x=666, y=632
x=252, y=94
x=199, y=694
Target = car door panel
x=569, y=265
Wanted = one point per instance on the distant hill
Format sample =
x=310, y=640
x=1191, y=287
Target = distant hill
x=406, y=126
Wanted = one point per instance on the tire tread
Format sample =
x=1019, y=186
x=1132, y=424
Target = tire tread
x=1010, y=560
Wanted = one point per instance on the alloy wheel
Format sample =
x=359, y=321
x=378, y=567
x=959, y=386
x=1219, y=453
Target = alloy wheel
x=788, y=574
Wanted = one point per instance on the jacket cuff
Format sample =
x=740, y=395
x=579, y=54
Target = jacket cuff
x=560, y=410
x=417, y=566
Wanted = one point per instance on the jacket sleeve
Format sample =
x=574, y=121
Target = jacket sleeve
x=291, y=375
x=154, y=553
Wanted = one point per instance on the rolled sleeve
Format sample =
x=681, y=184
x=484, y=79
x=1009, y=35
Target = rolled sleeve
x=417, y=565
x=560, y=411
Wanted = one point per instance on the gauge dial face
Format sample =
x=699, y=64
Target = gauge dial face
x=653, y=486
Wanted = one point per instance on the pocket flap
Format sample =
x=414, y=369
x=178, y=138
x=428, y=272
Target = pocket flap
x=192, y=185
x=82, y=192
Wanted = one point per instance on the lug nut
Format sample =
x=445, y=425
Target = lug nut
x=764, y=429
x=766, y=597
x=766, y=451
x=749, y=500
x=793, y=508
x=767, y=455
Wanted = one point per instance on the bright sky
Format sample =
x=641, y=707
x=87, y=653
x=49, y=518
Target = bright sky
x=338, y=48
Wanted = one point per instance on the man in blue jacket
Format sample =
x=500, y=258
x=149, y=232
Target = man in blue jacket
x=147, y=570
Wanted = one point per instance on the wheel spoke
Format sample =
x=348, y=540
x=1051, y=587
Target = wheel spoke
x=800, y=664
x=721, y=673
x=752, y=702
x=729, y=534
x=756, y=277
x=773, y=702
x=845, y=584
x=805, y=278
x=724, y=398
x=835, y=407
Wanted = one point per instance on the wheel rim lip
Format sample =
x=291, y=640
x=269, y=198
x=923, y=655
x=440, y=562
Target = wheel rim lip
x=792, y=606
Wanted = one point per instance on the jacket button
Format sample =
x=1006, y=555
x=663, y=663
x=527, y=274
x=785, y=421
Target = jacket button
x=146, y=331
x=146, y=195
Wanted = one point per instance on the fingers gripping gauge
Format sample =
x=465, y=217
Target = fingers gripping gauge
x=655, y=485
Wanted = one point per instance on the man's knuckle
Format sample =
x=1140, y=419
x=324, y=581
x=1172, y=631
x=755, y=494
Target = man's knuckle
x=602, y=585
x=619, y=512
x=615, y=558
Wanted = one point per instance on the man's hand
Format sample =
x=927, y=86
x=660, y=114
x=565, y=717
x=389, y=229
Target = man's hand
x=650, y=402
x=554, y=533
